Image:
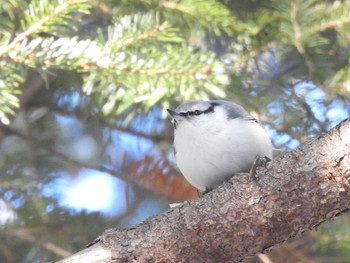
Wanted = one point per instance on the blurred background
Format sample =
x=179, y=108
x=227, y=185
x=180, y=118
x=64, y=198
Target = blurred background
x=85, y=142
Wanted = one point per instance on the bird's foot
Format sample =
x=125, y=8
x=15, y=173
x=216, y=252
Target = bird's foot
x=201, y=193
x=259, y=161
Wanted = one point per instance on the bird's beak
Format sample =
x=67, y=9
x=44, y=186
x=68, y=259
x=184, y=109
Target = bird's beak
x=175, y=115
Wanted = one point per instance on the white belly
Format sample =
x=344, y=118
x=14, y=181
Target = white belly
x=210, y=155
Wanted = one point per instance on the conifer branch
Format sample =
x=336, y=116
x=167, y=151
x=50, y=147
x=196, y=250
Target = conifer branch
x=157, y=29
x=335, y=24
x=40, y=24
x=199, y=74
x=178, y=7
x=219, y=17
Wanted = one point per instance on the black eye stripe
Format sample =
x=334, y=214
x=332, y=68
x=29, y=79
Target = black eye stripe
x=198, y=112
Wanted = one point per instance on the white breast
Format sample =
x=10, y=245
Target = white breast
x=207, y=153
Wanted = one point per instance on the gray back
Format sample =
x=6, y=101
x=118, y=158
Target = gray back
x=233, y=110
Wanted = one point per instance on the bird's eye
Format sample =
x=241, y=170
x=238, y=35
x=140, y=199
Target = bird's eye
x=197, y=112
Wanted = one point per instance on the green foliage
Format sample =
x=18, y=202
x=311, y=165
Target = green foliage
x=47, y=16
x=334, y=236
x=210, y=14
x=140, y=56
x=11, y=77
x=40, y=17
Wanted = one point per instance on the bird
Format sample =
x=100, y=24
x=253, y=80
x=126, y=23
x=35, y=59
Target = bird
x=215, y=140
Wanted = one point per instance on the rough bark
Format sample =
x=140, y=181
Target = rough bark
x=250, y=213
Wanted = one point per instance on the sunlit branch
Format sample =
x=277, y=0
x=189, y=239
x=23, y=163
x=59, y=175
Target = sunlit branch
x=331, y=24
x=178, y=7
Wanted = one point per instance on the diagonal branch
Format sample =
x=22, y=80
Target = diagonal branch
x=249, y=214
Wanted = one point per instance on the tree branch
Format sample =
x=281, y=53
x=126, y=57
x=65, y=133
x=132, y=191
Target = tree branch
x=249, y=214
x=58, y=10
